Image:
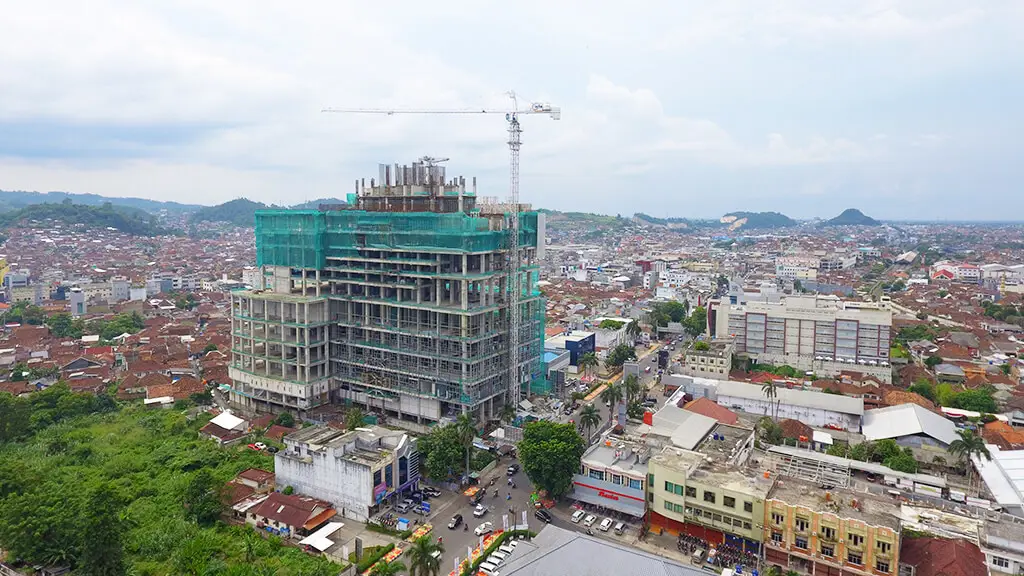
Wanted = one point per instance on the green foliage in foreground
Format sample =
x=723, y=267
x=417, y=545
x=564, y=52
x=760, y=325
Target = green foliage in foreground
x=156, y=473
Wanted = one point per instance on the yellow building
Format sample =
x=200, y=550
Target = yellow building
x=714, y=502
x=830, y=532
x=4, y=269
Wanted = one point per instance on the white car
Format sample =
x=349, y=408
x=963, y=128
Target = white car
x=480, y=510
x=497, y=558
x=577, y=516
x=485, y=528
x=589, y=521
x=606, y=524
x=508, y=547
x=260, y=446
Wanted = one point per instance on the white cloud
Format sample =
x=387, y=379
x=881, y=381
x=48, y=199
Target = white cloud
x=657, y=91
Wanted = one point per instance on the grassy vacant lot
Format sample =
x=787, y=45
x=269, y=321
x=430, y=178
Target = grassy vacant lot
x=149, y=458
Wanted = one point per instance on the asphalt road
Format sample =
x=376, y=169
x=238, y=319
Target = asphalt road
x=456, y=541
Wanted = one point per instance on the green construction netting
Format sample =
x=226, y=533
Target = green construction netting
x=306, y=238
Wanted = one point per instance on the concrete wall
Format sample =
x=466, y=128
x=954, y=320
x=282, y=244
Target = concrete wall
x=347, y=485
x=818, y=417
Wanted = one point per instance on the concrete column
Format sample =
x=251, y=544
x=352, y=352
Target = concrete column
x=465, y=294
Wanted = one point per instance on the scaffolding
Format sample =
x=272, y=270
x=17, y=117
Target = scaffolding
x=419, y=301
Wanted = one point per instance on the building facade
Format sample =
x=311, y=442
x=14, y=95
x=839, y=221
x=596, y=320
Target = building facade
x=830, y=533
x=715, y=362
x=822, y=334
x=717, y=504
x=415, y=283
x=355, y=471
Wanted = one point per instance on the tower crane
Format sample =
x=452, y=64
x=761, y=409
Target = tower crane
x=515, y=372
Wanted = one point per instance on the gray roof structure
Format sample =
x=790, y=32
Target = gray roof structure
x=907, y=420
x=794, y=397
x=558, y=552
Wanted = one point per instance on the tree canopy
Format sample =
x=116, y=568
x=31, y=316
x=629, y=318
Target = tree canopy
x=620, y=355
x=550, y=454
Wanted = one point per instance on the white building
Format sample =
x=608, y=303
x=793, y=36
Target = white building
x=120, y=289
x=79, y=307
x=961, y=272
x=1000, y=273
x=810, y=407
x=355, y=471
x=817, y=333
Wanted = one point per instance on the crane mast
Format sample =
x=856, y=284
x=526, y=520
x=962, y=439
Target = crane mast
x=515, y=254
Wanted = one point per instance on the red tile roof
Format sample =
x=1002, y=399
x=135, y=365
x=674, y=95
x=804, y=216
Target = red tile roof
x=711, y=409
x=277, y=432
x=939, y=557
x=256, y=475
x=293, y=510
x=795, y=429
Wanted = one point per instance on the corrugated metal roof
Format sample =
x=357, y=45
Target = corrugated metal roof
x=559, y=552
x=1003, y=475
x=907, y=420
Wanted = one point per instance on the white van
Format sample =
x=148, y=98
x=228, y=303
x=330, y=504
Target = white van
x=497, y=557
x=606, y=524
x=620, y=528
x=488, y=568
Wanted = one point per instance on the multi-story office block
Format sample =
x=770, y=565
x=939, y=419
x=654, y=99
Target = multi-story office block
x=414, y=277
x=822, y=334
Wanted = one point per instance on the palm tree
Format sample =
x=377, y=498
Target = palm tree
x=589, y=418
x=508, y=413
x=588, y=361
x=632, y=387
x=421, y=557
x=770, y=390
x=383, y=568
x=613, y=394
x=465, y=430
x=967, y=445
x=633, y=329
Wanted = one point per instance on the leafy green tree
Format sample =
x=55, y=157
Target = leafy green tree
x=609, y=324
x=40, y=525
x=62, y=325
x=440, y=452
x=701, y=346
x=286, y=419
x=696, y=323
x=15, y=417
x=923, y=387
x=620, y=355
x=589, y=419
x=550, y=454
x=902, y=461
x=862, y=452
x=211, y=347
x=885, y=449
x=354, y=418
x=1005, y=369
x=978, y=400
x=633, y=329
x=202, y=500
x=967, y=446
x=421, y=557
x=103, y=532
x=932, y=361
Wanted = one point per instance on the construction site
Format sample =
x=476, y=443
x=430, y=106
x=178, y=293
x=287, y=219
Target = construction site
x=420, y=283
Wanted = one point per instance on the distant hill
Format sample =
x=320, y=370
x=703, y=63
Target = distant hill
x=16, y=199
x=315, y=204
x=852, y=217
x=129, y=220
x=240, y=212
x=756, y=220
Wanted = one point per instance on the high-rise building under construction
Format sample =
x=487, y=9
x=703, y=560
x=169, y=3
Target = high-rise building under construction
x=397, y=301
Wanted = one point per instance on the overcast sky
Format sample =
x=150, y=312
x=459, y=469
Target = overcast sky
x=674, y=108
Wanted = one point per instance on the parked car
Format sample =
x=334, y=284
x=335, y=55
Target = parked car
x=485, y=528
x=479, y=511
x=260, y=446
x=508, y=547
x=404, y=506
x=272, y=449
x=456, y=522
x=543, y=515
x=253, y=447
x=577, y=516
x=589, y=520
x=497, y=557
x=431, y=491
x=606, y=524
x=620, y=528
x=512, y=469
x=647, y=370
